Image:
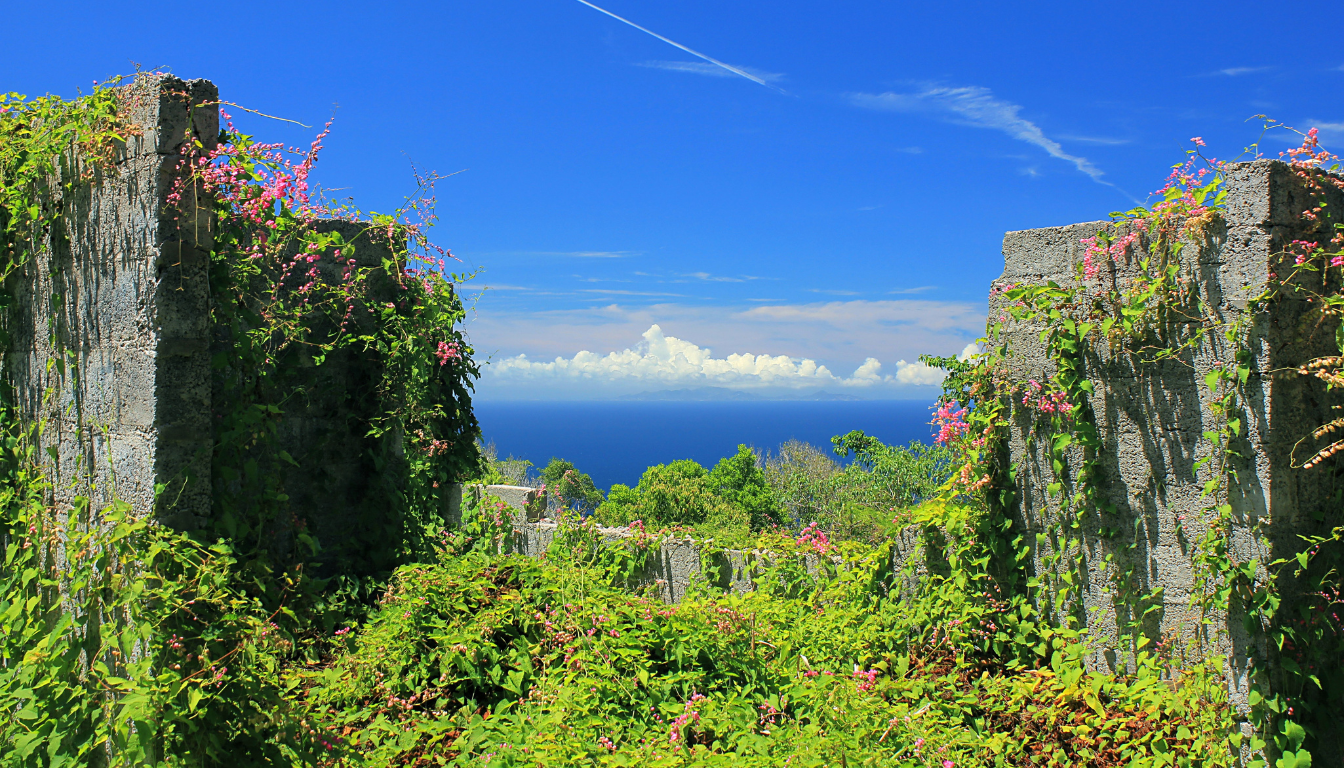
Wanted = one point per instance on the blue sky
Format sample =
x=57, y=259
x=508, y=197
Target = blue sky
x=780, y=234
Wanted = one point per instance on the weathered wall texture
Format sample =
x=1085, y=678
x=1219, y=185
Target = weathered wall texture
x=678, y=561
x=1152, y=418
x=120, y=299
x=111, y=344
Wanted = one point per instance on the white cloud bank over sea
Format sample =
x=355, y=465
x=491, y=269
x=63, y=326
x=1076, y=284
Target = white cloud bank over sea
x=662, y=362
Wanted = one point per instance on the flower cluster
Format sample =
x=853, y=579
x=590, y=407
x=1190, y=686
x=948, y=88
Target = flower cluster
x=866, y=680
x=1046, y=400
x=448, y=351
x=814, y=538
x=950, y=419
x=1098, y=251
x=676, y=733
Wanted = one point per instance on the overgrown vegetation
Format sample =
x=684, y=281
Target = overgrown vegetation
x=126, y=643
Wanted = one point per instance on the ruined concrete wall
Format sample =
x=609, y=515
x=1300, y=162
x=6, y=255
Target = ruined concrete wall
x=678, y=561
x=112, y=344
x=109, y=334
x=1152, y=418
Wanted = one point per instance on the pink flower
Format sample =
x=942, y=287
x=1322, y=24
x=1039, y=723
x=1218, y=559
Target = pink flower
x=951, y=422
x=448, y=352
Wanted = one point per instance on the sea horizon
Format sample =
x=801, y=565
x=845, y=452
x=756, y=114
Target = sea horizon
x=614, y=441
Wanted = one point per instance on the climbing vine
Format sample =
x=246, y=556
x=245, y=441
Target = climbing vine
x=122, y=638
x=1137, y=304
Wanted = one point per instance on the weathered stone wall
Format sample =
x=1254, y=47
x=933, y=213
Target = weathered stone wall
x=678, y=561
x=111, y=344
x=1152, y=418
x=109, y=333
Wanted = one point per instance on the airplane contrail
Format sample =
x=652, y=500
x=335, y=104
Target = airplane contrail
x=710, y=59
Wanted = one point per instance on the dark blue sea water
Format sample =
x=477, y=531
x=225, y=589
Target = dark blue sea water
x=616, y=441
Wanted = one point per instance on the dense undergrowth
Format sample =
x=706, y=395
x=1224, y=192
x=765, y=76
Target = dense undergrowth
x=123, y=642
x=490, y=659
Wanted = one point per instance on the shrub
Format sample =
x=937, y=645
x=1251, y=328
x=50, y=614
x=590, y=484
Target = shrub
x=572, y=487
x=740, y=480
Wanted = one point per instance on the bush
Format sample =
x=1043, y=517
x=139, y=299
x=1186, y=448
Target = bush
x=865, y=501
x=680, y=494
x=740, y=480
x=572, y=487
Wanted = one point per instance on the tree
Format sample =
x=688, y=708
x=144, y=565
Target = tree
x=572, y=486
x=740, y=480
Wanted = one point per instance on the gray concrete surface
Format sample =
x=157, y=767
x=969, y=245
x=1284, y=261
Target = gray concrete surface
x=678, y=561
x=112, y=344
x=1152, y=417
x=131, y=401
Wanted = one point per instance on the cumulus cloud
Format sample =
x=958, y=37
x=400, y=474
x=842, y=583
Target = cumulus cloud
x=662, y=360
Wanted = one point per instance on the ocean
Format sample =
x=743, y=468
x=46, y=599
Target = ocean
x=615, y=441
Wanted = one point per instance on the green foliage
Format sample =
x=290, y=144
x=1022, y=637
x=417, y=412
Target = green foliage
x=869, y=499
x=573, y=487
x=545, y=663
x=904, y=476
x=680, y=494
x=124, y=641
x=497, y=471
x=740, y=480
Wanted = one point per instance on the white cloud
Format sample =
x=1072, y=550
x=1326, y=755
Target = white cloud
x=615, y=292
x=659, y=359
x=1234, y=71
x=707, y=277
x=840, y=334
x=975, y=106
x=1103, y=140
x=709, y=70
x=1329, y=129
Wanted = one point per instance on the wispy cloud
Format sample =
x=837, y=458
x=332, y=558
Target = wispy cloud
x=588, y=254
x=672, y=362
x=614, y=292
x=833, y=292
x=1323, y=127
x=491, y=287
x=920, y=289
x=697, y=54
x=975, y=106
x=1235, y=71
x=707, y=69
x=707, y=277
x=1102, y=140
